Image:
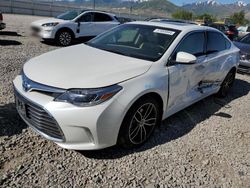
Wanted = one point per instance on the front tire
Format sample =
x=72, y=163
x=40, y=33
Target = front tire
x=227, y=84
x=139, y=123
x=64, y=38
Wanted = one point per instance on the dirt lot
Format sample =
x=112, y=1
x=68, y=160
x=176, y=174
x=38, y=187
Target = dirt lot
x=205, y=145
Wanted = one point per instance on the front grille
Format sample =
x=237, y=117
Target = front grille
x=39, y=119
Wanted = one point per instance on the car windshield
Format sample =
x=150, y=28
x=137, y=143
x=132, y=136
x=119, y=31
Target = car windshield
x=69, y=15
x=138, y=41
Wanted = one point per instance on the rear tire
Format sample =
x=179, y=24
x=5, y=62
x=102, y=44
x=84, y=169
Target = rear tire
x=64, y=38
x=139, y=123
x=227, y=84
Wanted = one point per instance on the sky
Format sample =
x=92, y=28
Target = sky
x=181, y=2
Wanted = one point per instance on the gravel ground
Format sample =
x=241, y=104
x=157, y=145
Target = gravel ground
x=205, y=145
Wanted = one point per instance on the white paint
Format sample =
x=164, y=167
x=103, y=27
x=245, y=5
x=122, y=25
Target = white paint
x=85, y=67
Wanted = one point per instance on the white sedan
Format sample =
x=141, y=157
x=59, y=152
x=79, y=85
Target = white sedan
x=119, y=86
x=72, y=24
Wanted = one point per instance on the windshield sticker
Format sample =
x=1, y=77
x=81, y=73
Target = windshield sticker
x=165, y=32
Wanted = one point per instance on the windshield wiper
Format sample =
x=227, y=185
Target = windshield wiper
x=114, y=51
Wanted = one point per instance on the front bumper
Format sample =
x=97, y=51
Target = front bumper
x=83, y=128
x=43, y=32
x=244, y=66
x=2, y=26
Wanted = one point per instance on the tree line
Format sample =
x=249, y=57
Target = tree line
x=237, y=18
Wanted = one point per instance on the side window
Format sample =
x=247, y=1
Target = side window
x=100, y=17
x=193, y=44
x=248, y=29
x=88, y=17
x=216, y=42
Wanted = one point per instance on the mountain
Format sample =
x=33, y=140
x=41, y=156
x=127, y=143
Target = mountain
x=208, y=2
x=216, y=8
x=157, y=5
x=153, y=8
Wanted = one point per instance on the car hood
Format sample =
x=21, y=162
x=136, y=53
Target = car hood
x=245, y=48
x=82, y=66
x=48, y=20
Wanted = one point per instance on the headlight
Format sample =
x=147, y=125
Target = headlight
x=50, y=24
x=88, y=97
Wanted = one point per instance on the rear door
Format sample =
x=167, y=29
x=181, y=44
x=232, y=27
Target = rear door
x=102, y=23
x=218, y=58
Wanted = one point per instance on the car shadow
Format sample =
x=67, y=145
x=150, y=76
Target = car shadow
x=179, y=124
x=10, y=122
x=9, y=43
x=10, y=33
x=74, y=42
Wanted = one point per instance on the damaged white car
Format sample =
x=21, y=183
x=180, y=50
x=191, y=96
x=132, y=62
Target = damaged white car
x=119, y=86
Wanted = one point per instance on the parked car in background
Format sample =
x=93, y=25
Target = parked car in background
x=244, y=45
x=118, y=87
x=243, y=30
x=2, y=25
x=73, y=24
x=123, y=20
x=229, y=30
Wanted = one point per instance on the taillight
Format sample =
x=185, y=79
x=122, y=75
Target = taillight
x=230, y=32
x=1, y=17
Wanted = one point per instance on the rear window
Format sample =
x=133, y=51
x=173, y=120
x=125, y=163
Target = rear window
x=246, y=39
x=100, y=17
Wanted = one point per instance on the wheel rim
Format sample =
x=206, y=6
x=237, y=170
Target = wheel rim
x=65, y=38
x=228, y=83
x=142, y=123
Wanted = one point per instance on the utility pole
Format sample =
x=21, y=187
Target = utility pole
x=11, y=6
x=94, y=4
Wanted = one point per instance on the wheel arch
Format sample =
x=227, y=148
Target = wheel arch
x=150, y=94
x=65, y=29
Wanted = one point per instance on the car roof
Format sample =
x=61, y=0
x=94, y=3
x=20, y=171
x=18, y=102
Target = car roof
x=171, y=20
x=174, y=25
x=97, y=11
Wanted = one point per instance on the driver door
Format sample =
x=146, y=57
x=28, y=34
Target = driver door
x=184, y=79
x=85, y=25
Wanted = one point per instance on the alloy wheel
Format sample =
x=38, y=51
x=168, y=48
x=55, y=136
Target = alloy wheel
x=65, y=38
x=143, y=123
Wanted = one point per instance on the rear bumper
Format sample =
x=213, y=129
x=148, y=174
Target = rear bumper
x=244, y=66
x=244, y=69
x=2, y=26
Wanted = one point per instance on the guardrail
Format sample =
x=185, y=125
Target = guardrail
x=47, y=8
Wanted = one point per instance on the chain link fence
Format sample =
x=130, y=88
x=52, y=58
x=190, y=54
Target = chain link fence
x=53, y=8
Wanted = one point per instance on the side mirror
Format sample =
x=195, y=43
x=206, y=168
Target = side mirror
x=185, y=58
